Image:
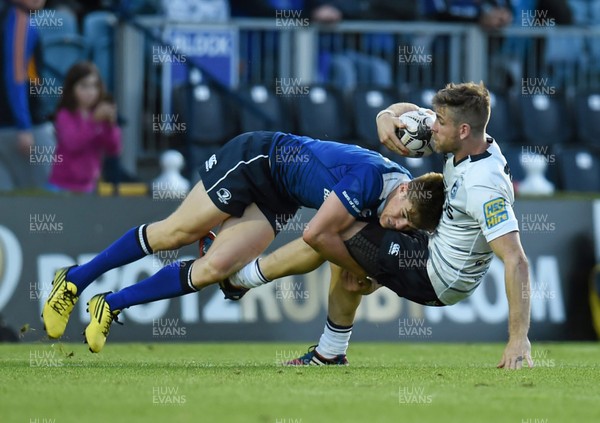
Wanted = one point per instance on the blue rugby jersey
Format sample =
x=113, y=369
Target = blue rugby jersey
x=309, y=170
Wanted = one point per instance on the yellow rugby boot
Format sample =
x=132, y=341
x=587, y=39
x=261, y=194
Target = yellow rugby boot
x=59, y=304
x=101, y=316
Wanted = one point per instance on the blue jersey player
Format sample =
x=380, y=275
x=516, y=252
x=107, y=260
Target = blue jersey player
x=250, y=187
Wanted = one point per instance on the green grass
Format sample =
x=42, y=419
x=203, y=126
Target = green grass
x=234, y=382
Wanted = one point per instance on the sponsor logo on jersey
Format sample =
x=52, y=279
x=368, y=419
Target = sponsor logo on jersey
x=347, y=197
x=211, y=162
x=495, y=212
x=394, y=249
x=326, y=193
x=224, y=195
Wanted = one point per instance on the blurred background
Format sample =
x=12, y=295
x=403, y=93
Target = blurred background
x=108, y=107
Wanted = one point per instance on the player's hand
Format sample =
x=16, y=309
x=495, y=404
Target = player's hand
x=354, y=283
x=25, y=141
x=515, y=353
x=386, y=130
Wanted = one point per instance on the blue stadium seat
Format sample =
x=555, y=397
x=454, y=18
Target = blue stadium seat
x=587, y=117
x=562, y=56
x=544, y=119
x=98, y=31
x=367, y=102
x=579, y=169
x=321, y=114
x=59, y=22
x=265, y=99
x=60, y=52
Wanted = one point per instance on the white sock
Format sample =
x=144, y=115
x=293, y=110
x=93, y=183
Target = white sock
x=334, y=340
x=248, y=276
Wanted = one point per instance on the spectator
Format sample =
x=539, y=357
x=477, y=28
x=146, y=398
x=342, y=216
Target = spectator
x=196, y=10
x=263, y=8
x=587, y=13
x=86, y=129
x=348, y=67
x=21, y=130
x=491, y=14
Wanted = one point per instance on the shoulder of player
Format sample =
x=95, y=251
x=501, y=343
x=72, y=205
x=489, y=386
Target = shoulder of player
x=487, y=172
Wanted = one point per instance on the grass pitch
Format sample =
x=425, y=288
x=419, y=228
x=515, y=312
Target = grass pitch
x=234, y=382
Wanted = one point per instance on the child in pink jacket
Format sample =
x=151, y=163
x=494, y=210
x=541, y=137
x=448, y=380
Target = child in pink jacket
x=86, y=130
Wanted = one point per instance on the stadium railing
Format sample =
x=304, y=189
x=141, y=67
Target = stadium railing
x=526, y=60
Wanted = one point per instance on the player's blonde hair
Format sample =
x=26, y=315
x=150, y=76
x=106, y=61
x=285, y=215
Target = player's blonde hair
x=467, y=103
x=426, y=194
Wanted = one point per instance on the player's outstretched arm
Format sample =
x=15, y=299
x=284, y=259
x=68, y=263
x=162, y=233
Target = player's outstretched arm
x=387, y=123
x=516, y=274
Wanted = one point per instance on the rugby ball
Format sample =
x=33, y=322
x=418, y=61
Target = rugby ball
x=416, y=137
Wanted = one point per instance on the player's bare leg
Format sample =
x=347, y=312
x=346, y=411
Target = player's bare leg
x=193, y=219
x=342, y=303
x=239, y=241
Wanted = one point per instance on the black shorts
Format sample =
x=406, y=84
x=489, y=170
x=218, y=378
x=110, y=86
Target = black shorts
x=239, y=174
x=398, y=260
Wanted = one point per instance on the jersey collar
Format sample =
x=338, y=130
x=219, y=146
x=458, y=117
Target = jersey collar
x=476, y=157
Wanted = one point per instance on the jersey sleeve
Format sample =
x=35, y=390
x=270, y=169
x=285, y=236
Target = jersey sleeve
x=360, y=189
x=493, y=211
x=15, y=48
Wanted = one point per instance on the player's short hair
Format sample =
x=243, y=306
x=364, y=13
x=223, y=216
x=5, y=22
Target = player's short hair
x=426, y=194
x=467, y=103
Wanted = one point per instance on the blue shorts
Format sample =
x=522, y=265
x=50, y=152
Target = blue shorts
x=239, y=174
x=398, y=260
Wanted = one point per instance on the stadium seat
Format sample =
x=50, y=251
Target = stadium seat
x=421, y=97
x=62, y=47
x=205, y=112
x=562, y=55
x=579, y=169
x=60, y=22
x=265, y=99
x=367, y=102
x=321, y=114
x=512, y=153
x=98, y=31
x=60, y=52
x=501, y=125
x=544, y=119
x=210, y=121
x=587, y=117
